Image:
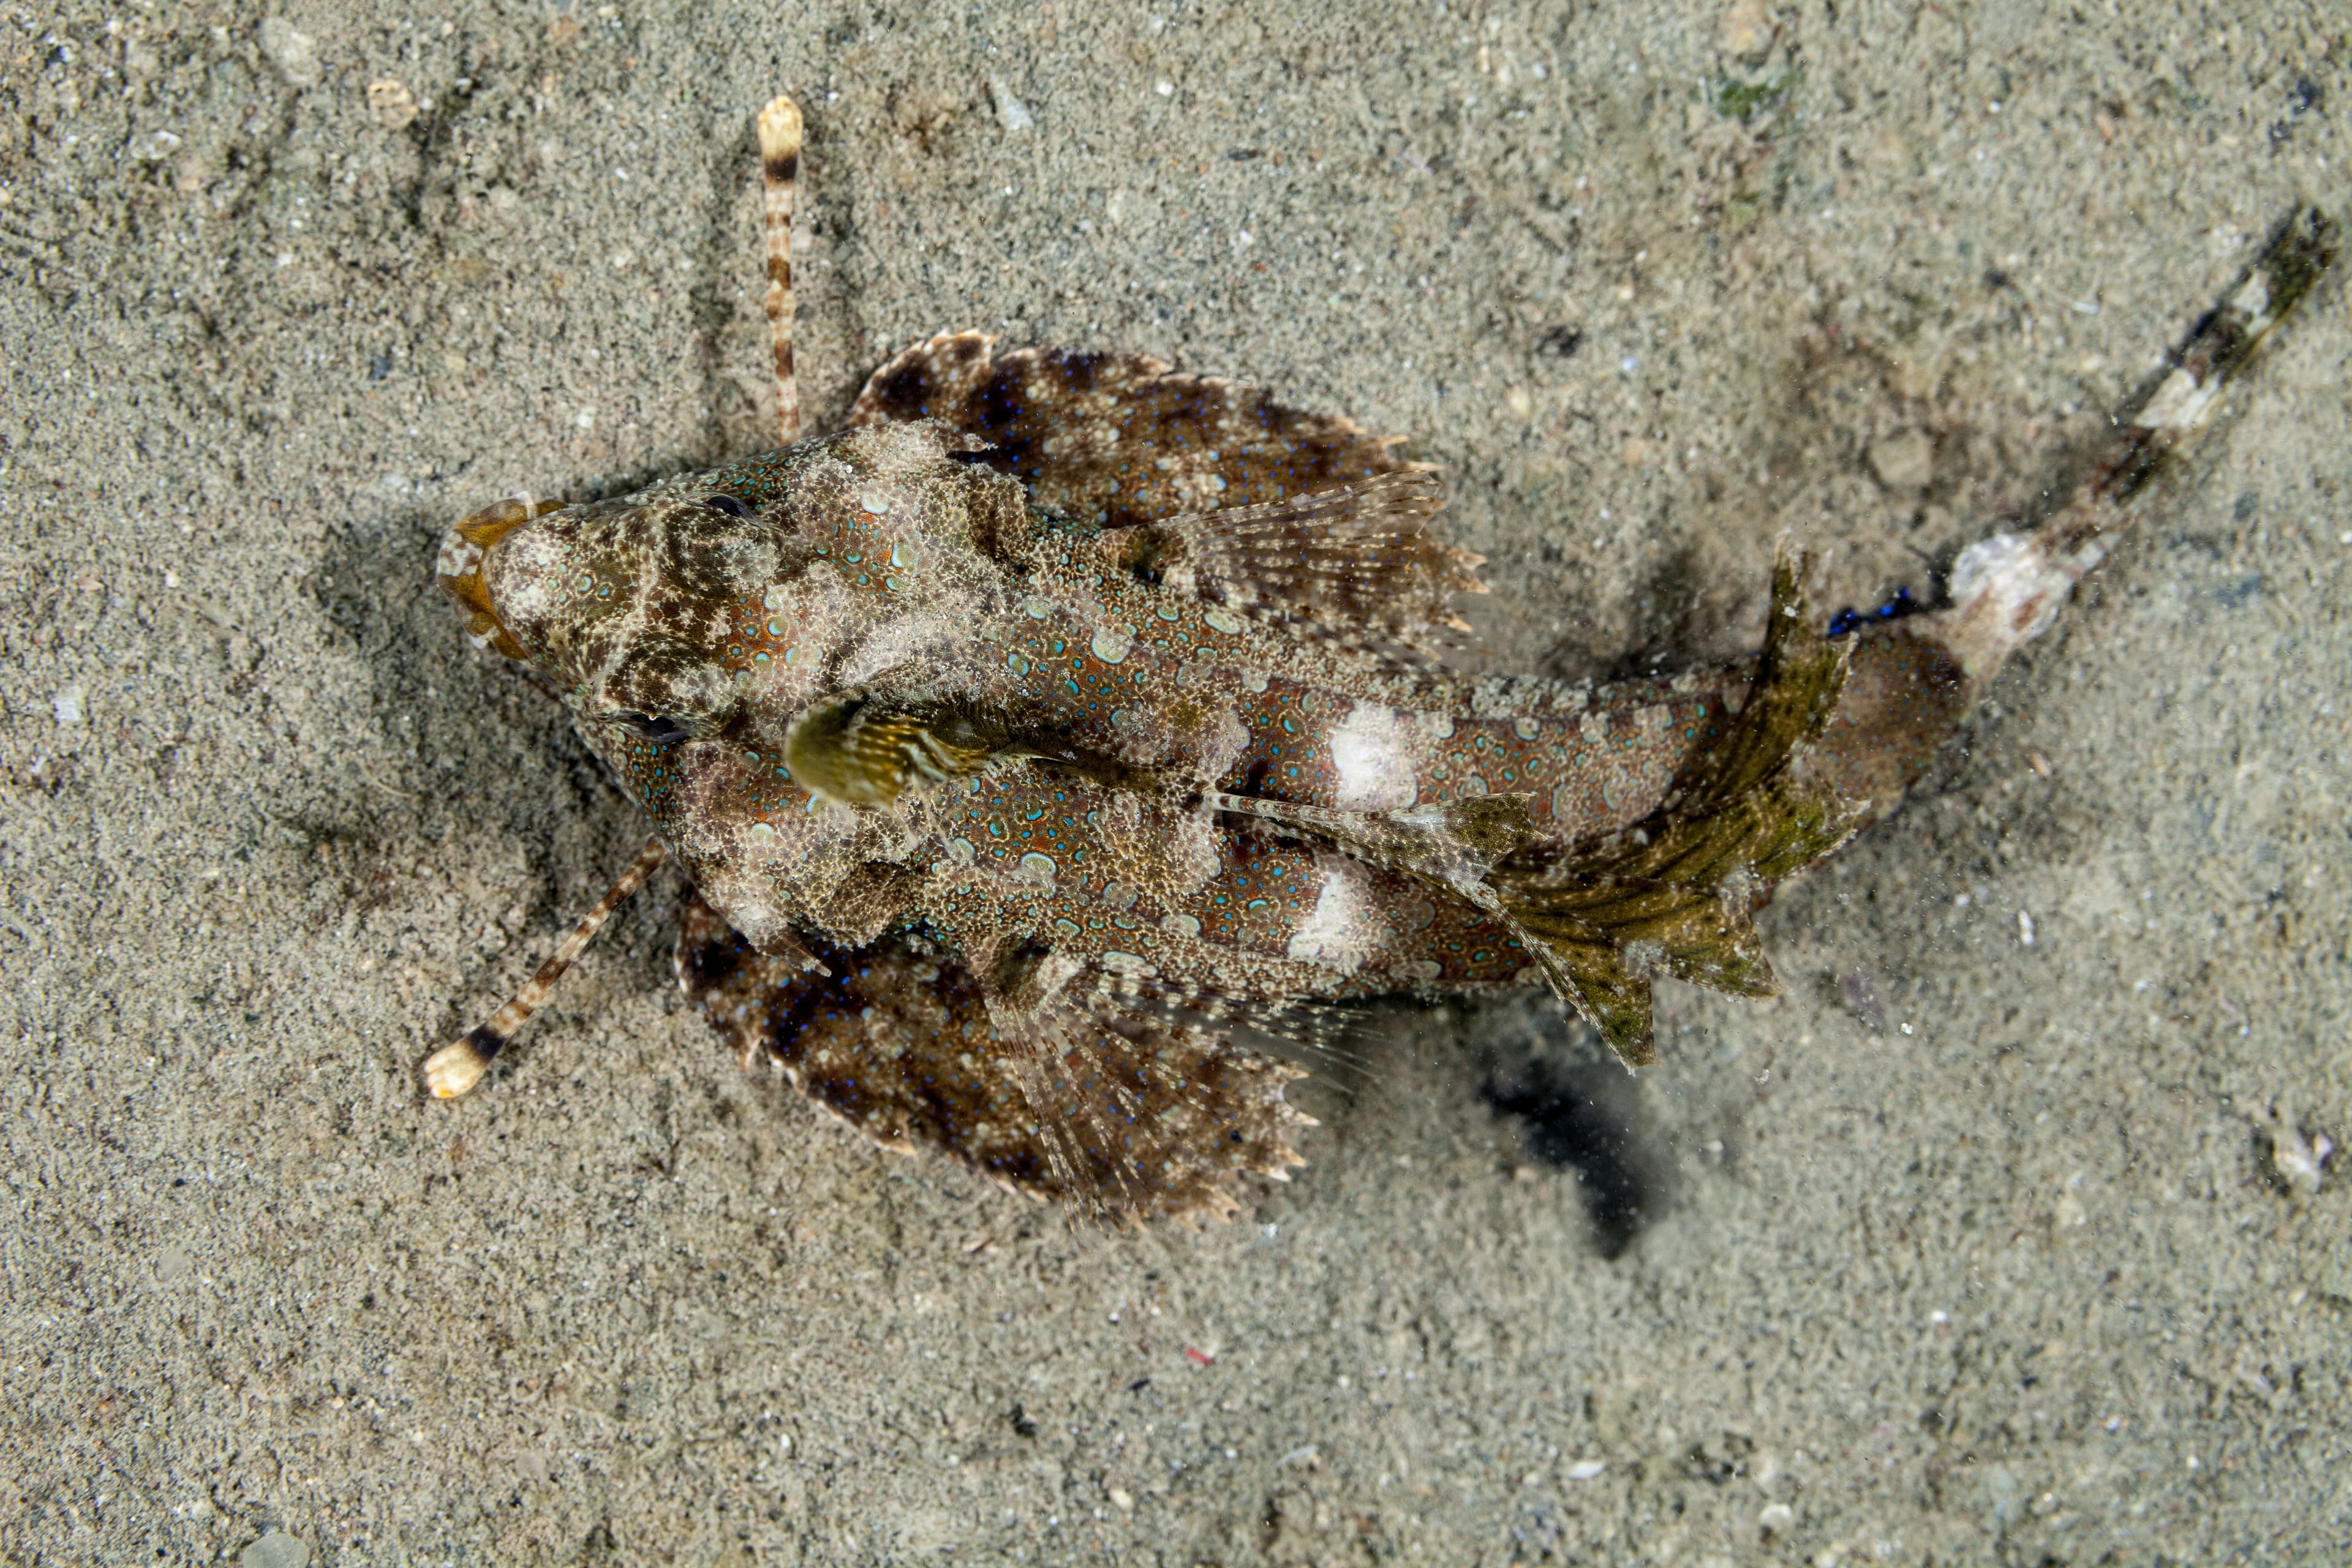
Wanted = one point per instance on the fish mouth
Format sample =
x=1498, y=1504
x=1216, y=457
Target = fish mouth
x=458, y=566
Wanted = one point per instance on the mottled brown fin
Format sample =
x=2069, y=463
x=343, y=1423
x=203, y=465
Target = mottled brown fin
x=894, y=1041
x=1143, y=1114
x=1119, y=439
x=1094, y=1098
x=1673, y=895
x=1358, y=564
x=1319, y=1036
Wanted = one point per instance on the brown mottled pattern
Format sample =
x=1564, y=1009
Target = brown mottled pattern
x=1119, y=439
x=858, y=695
x=1137, y=787
x=881, y=1043
x=898, y=1043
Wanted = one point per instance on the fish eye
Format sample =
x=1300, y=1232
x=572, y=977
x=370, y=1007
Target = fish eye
x=658, y=728
x=733, y=506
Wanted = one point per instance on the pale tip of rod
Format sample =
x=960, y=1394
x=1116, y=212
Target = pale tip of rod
x=455, y=1068
x=780, y=136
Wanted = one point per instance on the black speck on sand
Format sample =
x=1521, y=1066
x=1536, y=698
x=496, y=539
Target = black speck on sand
x=1988, y=1266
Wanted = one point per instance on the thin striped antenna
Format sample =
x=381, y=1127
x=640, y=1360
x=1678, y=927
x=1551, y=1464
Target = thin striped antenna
x=780, y=167
x=459, y=1065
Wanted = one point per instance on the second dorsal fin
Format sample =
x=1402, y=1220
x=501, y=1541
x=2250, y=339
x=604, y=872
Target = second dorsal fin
x=1671, y=895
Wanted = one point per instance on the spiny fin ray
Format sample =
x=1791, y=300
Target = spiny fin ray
x=1355, y=561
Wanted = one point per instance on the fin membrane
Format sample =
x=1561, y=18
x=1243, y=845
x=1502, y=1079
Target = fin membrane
x=858, y=751
x=1359, y=564
x=861, y=748
x=1089, y=1095
x=1119, y=439
x=1674, y=895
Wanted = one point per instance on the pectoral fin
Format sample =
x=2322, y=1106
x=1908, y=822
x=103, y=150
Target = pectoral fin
x=1359, y=564
x=866, y=749
x=857, y=751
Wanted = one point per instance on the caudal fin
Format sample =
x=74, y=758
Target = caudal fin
x=1914, y=680
x=2006, y=591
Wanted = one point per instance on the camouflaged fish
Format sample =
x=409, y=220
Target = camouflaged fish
x=1059, y=747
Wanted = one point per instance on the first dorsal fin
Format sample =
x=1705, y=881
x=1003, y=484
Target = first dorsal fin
x=1358, y=563
x=864, y=748
x=857, y=751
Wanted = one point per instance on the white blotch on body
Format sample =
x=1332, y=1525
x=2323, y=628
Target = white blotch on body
x=1372, y=754
x=1343, y=932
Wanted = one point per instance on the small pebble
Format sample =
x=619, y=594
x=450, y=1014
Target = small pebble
x=1011, y=113
x=390, y=104
x=276, y=1550
x=1903, y=462
x=293, y=52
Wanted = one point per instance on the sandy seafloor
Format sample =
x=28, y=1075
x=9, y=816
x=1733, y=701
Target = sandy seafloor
x=1964, y=1250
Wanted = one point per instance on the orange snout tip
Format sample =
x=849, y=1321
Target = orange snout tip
x=458, y=567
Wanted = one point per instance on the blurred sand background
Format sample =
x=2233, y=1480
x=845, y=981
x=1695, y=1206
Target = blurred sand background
x=1966, y=1250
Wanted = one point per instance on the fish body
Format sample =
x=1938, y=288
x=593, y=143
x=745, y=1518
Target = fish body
x=1063, y=725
